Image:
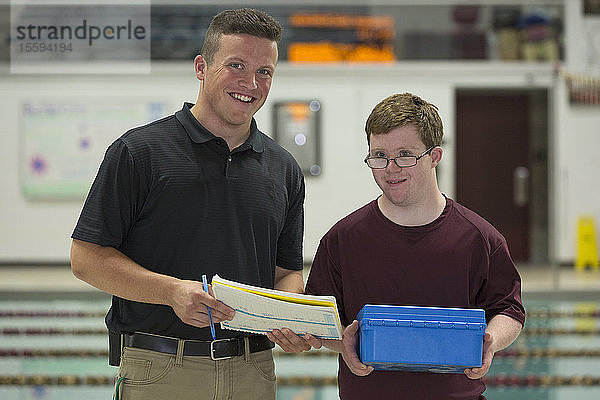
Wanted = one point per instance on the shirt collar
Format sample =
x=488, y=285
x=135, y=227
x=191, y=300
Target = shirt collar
x=199, y=134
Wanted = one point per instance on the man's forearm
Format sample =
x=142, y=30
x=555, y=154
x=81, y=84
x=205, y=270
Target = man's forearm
x=113, y=272
x=289, y=280
x=505, y=330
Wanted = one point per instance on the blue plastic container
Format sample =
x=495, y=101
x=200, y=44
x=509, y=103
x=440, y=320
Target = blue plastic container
x=409, y=338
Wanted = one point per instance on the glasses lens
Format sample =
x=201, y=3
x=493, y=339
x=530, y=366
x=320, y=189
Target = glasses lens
x=406, y=161
x=377, y=162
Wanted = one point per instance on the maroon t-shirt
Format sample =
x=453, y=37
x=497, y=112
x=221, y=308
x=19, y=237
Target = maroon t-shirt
x=458, y=260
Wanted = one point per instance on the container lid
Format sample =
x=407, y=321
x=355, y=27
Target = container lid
x=378, y=311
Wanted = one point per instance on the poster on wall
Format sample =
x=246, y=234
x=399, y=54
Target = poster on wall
x=63, y=142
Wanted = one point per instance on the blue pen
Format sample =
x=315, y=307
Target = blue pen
x=212, y=326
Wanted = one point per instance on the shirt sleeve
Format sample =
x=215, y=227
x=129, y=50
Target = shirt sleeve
x=111, y=206
x=501, y=293
x=325, y=278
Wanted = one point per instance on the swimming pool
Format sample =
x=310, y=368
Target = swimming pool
x=54, y=346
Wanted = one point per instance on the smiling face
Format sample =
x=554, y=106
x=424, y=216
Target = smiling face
x=236, y=83
x=406, y=186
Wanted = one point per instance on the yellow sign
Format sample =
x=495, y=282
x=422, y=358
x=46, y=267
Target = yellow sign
x=587, y=248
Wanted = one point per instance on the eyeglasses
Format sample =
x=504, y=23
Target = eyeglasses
x=401, y=161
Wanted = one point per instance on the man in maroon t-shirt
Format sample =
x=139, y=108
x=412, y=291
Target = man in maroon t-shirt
x=412, y=246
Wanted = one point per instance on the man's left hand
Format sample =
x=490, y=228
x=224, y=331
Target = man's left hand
x=488, y=355
x=292, y=343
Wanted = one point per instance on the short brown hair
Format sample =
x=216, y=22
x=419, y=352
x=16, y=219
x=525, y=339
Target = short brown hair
x=404, y=109
x=239, y=21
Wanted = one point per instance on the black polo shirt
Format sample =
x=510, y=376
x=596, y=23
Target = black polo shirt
x=173, y=197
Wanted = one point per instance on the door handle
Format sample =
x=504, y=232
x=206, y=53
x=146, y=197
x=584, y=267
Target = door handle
x=521, y=186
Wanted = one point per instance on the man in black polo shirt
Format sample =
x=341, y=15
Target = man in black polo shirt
x=200, y=192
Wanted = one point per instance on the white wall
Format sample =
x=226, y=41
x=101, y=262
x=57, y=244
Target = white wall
x=575, y=190
x=39, y=231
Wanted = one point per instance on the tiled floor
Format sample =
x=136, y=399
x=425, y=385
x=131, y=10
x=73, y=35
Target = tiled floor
x=33, y=278
x=555, y=278
x=535, y=279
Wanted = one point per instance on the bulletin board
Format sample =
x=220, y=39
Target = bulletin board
x=63, y=142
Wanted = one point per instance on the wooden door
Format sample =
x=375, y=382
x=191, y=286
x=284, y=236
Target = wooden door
x=492, y=166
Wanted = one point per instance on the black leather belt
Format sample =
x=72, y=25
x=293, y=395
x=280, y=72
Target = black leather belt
x=217, y=349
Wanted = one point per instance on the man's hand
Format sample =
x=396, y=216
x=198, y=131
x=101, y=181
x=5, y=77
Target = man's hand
x=349, y=339
x=190, y=302
x=488, y=355
x=292, y=343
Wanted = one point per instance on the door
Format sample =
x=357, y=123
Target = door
x=493, y=171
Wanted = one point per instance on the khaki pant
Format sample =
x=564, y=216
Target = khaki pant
x=149, y=375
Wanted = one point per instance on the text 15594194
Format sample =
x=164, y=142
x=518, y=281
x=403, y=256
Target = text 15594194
x=30, y=47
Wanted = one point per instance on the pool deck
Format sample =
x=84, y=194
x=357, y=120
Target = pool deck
x=536, y=280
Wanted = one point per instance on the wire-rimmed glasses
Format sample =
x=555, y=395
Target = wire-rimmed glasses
x=401, y=161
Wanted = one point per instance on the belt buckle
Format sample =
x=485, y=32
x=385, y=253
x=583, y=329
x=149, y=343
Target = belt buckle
x=212, y=350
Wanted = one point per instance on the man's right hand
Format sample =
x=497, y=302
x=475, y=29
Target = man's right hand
x=190, y=302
